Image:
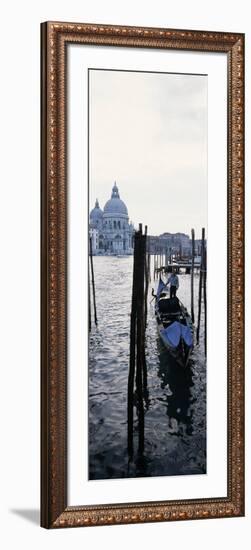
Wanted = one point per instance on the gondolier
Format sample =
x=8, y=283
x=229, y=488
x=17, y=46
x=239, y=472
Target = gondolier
x=173, y=280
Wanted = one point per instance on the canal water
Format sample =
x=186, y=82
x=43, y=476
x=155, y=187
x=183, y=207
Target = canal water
x=175, y=408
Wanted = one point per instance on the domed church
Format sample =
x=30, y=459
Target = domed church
x=110, y=230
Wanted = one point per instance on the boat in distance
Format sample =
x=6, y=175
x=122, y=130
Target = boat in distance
x=174, y=325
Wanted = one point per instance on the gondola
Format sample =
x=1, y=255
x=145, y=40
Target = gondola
x=174, y=325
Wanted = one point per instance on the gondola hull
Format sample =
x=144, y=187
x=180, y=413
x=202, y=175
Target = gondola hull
x=175, y=328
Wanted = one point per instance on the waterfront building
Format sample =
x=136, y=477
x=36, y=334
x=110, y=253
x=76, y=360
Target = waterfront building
x=173, y=244
x=94, y=236
x=179, y=243
x=109, y=229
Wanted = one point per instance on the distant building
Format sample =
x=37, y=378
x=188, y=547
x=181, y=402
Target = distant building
x=109, y=229
x=170, y=243
x=94, y=236
x=177, y=244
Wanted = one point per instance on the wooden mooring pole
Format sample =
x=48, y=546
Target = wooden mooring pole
x=132, y=350
x=93, y=285
x=192, y=279
x=146, y=262
x=205, y=299
x=137, y=340
x=143, y=307
x=149, y=267
x=200, y=284
x=89, y=303
x=140, y=359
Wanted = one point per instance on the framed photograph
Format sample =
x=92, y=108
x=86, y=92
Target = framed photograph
x=142, y=300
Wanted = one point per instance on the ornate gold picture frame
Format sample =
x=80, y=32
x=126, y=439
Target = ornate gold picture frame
x=55, y=39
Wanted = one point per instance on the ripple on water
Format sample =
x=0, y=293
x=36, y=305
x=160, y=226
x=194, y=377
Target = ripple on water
x=175, y=414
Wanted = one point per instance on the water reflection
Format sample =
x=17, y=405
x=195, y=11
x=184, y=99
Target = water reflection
x=178, y=382
x=175, y=401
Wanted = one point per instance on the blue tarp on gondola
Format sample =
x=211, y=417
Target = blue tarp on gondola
x=187, y=335
x=174, y=332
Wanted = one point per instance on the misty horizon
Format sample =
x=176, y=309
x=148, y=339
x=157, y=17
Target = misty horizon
x=148, y=132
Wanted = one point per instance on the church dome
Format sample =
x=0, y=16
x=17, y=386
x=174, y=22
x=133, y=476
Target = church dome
x=96, y=214
x=115, y=206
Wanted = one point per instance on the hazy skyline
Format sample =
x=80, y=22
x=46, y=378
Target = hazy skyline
x=148, y=131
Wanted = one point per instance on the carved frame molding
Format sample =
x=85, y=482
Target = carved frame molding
x=54, y=40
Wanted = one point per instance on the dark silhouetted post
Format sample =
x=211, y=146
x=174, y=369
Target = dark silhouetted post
x=140, y=359
x=200, y=283
x=131, y=375
x=89, y=302
x=149, y=267
x=93, y=285
x=143, y=306
x=146, y=264
x=205, y=298
x=137, y=338
x=192, y=277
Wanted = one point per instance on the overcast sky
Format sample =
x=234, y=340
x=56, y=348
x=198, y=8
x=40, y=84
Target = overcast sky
x=148, y=132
